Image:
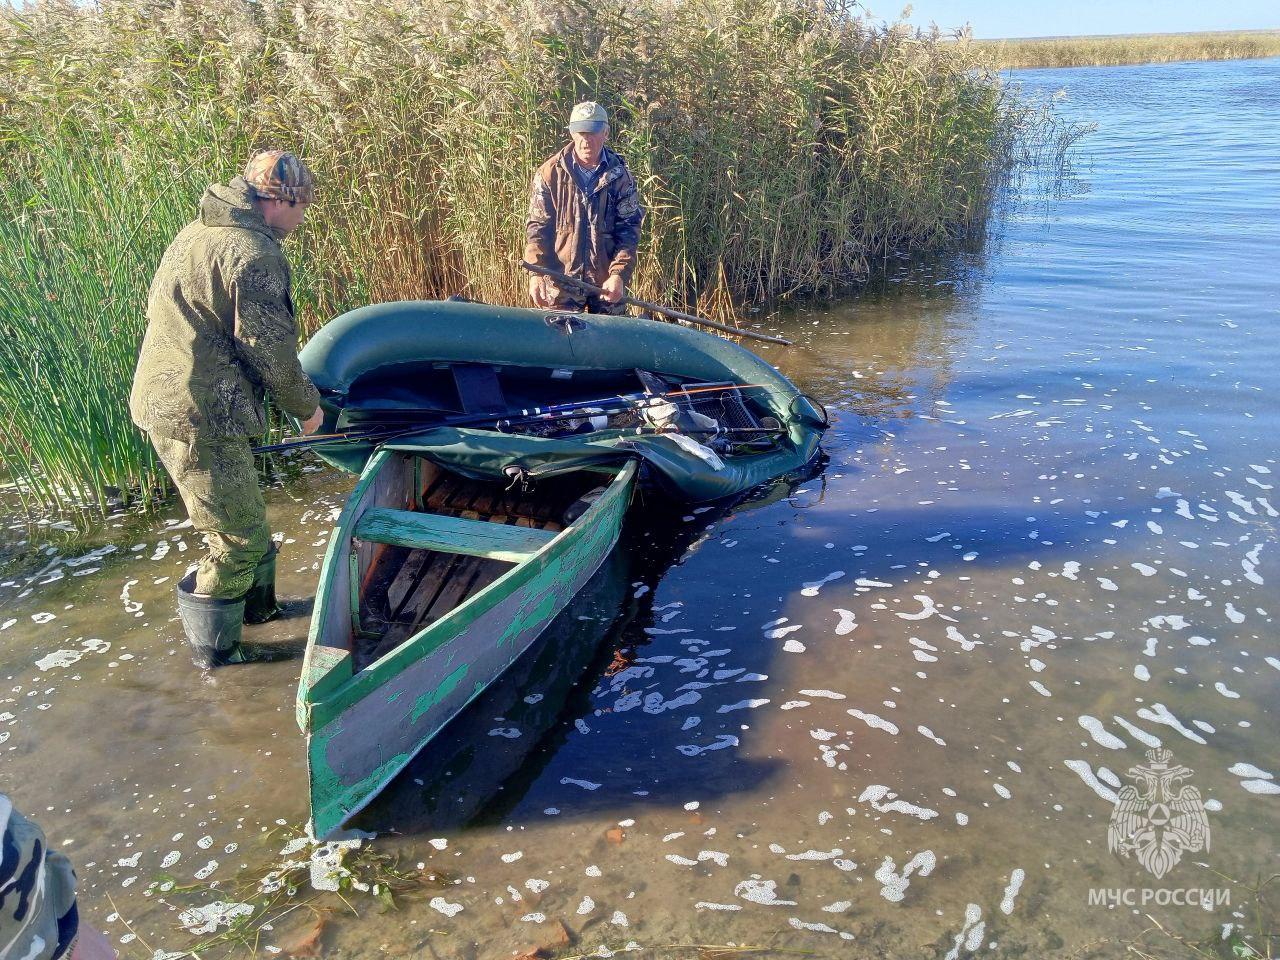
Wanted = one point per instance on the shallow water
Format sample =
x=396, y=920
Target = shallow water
x=881, y=711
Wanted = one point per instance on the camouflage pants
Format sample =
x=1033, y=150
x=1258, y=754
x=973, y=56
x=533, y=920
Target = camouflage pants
x=218, y=484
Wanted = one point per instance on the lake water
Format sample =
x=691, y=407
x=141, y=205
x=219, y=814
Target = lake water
x=883, y=711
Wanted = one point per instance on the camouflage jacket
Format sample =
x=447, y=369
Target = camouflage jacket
x=589, y=237
x=220, y=328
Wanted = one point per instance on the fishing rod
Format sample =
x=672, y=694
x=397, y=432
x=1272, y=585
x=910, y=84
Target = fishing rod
x=525, y=416
x=582, y=285
x=424, y=414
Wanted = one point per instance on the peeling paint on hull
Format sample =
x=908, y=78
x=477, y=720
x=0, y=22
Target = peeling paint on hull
x=361, y=734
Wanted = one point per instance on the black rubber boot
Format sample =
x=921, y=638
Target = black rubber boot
x=212, y=626
x=260, y=602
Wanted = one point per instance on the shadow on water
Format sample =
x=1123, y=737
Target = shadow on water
x=499, y=762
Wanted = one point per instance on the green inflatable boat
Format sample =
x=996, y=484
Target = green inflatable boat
x=498, y=450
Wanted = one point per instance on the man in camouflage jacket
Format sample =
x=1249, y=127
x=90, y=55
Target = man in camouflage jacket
x=584, y=218
x=221, y=330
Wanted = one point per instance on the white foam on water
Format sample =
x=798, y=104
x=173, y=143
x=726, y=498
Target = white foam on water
x=1011, y=891
x=965, y=643
x=1261, y=786
x=721, y=742
x=1001, y=789
x=59, y=658
x=1107, y=583
x=773, y=631
x=928, y=609
x=828, y=694
x=1159, y=713
x=585, y=907
x=817, y=855
x=1273, y=662
x=1040, y=688
x=1100, y=734
x=707, y=905
x=764, y=892
x=794, y=646
x=1085, y=773
x=871, y=720
x=1234, y=615
x=207, y=919
x=1070, y=569
x=742, y=705
x=799, y=924
x=1227, y=692
x=1144, y=569
x=1248, y=770
x=847, y=622
x=876, y=792
x=441, y=905
x=681, y=861
x=812, y=588
x=1144, y=738
x=584, y=784
x=894, y=884
x=926, y=732
x=971, y=934
x=1140, y=672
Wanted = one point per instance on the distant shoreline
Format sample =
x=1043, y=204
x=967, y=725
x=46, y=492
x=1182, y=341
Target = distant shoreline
x=1124, y=49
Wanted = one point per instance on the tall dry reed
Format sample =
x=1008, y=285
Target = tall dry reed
x=1112, y=51
x=782, y=146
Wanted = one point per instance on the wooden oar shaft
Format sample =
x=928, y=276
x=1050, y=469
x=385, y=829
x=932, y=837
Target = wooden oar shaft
x=655, y=308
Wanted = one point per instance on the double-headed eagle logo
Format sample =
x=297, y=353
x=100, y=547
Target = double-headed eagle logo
x=1157, y=825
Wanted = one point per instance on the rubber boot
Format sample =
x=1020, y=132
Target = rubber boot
x=260, y=602
x=212, y=626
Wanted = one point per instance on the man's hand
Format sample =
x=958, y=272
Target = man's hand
x=312, y=423
x=538, y=291
x=613, y=288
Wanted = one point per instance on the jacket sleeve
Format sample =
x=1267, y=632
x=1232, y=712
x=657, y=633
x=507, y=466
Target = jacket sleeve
x=628, y=216
x=266, y=335
x=38, y=914
x=540, y=231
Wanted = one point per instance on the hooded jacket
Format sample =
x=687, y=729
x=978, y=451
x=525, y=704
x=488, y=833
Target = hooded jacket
x=220, y=328
x=588, y=236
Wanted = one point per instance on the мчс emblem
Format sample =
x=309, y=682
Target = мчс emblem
x=1153, y=821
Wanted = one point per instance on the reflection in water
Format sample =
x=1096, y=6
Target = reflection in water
x=885, y=711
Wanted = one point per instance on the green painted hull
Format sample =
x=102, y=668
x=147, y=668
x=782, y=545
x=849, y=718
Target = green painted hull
x=364, y=726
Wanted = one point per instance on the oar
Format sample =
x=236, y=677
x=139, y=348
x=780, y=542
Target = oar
x=574, y=282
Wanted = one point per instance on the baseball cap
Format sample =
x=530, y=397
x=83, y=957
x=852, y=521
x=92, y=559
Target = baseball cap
x=588, y=117
x=279, y=175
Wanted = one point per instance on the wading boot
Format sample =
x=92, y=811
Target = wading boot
x=260, y=602
x=212, y=626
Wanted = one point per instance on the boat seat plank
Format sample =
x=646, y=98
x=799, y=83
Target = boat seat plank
x=473, y=538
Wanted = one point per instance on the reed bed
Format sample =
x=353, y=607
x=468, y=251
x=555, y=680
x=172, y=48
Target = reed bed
x=1129, y=49
x=783, y=147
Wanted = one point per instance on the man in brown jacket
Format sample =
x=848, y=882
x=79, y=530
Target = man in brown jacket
x=220, y=331
x=584, y=218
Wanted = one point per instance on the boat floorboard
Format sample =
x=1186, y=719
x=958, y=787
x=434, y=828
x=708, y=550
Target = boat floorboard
x=409, y=589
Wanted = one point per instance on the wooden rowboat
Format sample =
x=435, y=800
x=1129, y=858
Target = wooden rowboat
x=433, y=585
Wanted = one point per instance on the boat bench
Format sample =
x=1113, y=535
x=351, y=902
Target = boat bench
x=429, y=531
